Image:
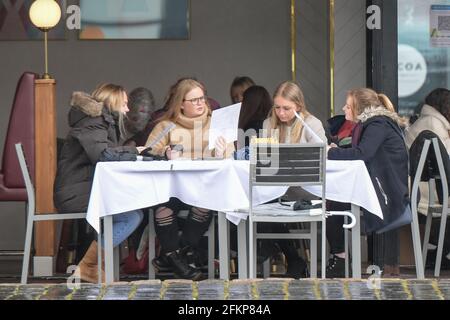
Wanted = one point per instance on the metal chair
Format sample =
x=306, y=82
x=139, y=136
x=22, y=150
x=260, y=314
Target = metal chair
x=33, y=217
x=436, y=168
x=151, y=245
x=287, y=165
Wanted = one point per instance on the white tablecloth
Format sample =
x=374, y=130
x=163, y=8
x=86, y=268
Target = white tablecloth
x=220, y=185
x=349, y=182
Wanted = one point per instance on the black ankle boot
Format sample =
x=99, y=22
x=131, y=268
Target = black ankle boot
x=181, y=268
x=193, y=258
x=336, y=267
x=161, y=264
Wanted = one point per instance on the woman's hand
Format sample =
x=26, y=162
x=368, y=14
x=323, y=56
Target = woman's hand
x=172, y=154
x=331, y=145
x=220, y=147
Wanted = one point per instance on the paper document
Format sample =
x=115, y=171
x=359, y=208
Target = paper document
x=316, y=138
x=224, y=122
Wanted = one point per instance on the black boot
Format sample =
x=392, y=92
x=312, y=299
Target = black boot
x=193, y=258
x=161, y=264
x=181, y=268
x=336, y=267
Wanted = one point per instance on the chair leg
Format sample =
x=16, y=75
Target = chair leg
x=426, y=239
x=211, y=247
x=151, y=246
x=313, y=235
x=437, y=268
x=252, y=251
x=27, y=251
x=324, y=246
x=117, y=263
x=416, y=244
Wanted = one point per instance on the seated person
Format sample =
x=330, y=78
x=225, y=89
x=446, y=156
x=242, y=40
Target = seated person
x=189, y=114
x=141, y=114
x=434, y=116
x=93, y=120
x=238, y=87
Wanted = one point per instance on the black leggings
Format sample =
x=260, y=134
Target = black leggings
x=167, y=228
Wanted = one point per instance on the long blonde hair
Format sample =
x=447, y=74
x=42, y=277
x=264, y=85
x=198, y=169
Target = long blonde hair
x=176, y=97
x=112, y=97
x=364, y=98
x=291, y=91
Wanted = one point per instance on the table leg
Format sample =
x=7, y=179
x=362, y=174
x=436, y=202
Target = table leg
x=356, y=243
x=347, y=256
x=224, y=258
x=109, y=252
x=242, y=249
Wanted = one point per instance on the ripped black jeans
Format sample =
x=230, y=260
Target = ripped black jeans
x=167, y=227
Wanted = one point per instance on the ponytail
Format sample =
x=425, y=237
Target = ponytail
x=386, y=102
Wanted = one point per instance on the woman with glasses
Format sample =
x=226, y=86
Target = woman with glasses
x=283, y=125
x=184, y=131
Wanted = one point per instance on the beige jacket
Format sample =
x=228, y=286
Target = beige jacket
x=191, y=133
x=433, y=120
x=305, y=136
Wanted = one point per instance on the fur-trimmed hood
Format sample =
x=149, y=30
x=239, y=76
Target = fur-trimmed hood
x=373, y=111
x=85, y=103
x=86, y=107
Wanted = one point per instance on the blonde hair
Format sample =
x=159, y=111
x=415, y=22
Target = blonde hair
x=112, y=97
x=176, y=97
x=364, y=98
x=290, y=91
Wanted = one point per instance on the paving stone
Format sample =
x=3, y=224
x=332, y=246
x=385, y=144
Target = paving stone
x=422, y=290
x=211, y=290
x=146, y=290
x=29, y=292
x=6, y=291
x=117, y=292
x=87, y=292
x=272, y=289
x=303, y=290
x=444, y=288
x=361, y=290
x=332, y=290
x=278, y=289
x=56, y=292
x=240, y=290
x=393, y=290
x=178, y=290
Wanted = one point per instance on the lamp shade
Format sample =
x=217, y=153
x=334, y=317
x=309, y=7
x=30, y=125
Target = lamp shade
x=45, y=14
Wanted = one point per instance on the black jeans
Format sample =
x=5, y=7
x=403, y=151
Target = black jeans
x=335, y=231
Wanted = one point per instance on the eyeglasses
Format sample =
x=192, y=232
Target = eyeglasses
x=196, y=100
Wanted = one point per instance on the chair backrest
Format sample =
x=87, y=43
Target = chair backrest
x=287, y=164
x=26, y=174
x=430, y=168
x=21, y=128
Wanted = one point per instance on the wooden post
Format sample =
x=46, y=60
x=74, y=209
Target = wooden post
x=45, y=144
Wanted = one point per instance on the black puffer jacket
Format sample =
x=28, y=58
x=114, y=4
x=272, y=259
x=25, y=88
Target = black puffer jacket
x=93, y=137
x=384, y=152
